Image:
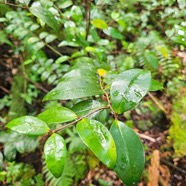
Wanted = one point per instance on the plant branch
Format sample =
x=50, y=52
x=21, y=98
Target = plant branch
x=143, y=136
x=23, y=74
x=107, y=97
x=14, y=5
x=80, y=118
x=172, y=165
x=38, y=86
x=87, y=18
x=157, y=102
x=53, y=49
x=4, y=89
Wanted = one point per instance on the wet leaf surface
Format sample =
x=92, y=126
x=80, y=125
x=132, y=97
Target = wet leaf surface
x=130, y=154
x=28, y=125
x=55, y=154
x=129, y=88
x=57, y=115
x=98, y=138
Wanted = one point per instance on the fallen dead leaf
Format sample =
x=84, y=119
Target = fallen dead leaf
x=164, y=175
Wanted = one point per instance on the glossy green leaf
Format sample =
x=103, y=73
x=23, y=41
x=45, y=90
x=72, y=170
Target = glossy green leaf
x=97, y=137
x=28, y=125
x=84, y=107
x=45, y=15
x=130, y=153
x=55, y=154
x=57, y=115
x=80, y=72
x=73, y=88
x=151, y=59
x=16, y=142
x=129, y=88
x=99, y=23
x=155, y=85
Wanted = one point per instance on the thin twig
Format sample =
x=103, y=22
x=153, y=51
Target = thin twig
x=143, y=136
x=53, y=49
x=107, y=97
x=14, y=5
x=157, y=102
x=24, y=74
x=4, y=89
x=172, y=165
x=80, y=118
x=37, y=85
x=87, y=18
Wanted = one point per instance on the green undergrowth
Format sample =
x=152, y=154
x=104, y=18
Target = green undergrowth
x=177, y=130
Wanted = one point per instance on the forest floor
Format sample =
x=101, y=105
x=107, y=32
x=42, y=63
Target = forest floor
x=162, y=168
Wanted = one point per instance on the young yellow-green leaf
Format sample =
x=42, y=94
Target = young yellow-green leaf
x=73, y=88
x=55, y=154
x=99, y=23
x=129, y=88
x=45, y=15
x=130, y=154
x=57, y=115
x=28, y=125
x=98, y=138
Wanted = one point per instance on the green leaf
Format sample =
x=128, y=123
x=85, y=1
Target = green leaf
x=25, y=2
x=57, y=115
x=62, y=59
x=73, y=88
x=28, y=125
x=9, y=152
x=155, y=85
x=97, y=137
x=65, y=4
x=50, y=38
x=84, y=107
x=55, y=154
x=3, y=39
x=83, y=71
x=113, y=33
x=42, y=35
x=99, y=23
x=129, y=88
x=130, y=153
x=45, y=15
x=151, y=59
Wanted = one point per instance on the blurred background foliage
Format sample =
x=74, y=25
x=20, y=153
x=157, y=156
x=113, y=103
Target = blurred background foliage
x=42, y=40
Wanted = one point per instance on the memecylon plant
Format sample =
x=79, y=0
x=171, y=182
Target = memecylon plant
x=117, y=147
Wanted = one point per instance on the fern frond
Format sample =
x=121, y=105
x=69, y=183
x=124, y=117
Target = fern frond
x=74, y=170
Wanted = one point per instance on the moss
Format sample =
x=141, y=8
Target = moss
x=17, y=107
x=177, y=131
